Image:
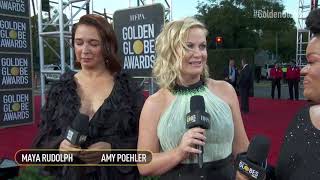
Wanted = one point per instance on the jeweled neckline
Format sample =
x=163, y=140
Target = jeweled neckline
x=191, y=89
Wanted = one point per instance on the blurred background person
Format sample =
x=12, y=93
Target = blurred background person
x=100, y=91
x=231, y=73
x=257, y=73
x=293, y=78
x=300, y=152
x=245, y=84
x=276, y=75
x=181, y=71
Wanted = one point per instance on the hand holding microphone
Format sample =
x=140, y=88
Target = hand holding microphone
x=75, y=138
x=194, y=136
x=94, y=156
x=76, y=134
x=198, y=118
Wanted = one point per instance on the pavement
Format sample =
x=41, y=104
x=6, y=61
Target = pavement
x=261, y=89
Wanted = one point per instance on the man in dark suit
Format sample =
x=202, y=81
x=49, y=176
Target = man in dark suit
x=245, y=83
x=231, y=73
x=276, y=75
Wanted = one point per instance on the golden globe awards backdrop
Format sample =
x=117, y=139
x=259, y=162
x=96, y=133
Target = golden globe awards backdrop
x=137, y=30
x=15, y=34
x=15, y=7
x=16, y=107
x=15, y=71
x=16, y=97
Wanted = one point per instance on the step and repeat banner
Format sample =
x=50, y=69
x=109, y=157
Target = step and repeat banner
x=137, y=29
x=16, y=95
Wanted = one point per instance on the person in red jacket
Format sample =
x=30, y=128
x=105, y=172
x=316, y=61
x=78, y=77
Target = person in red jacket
x=276, y=75
x=293, y=77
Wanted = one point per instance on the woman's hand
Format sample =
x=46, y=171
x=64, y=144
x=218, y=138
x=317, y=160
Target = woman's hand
x=194, y=136
x=240, y=176
x=90, y=156
x=67, y=147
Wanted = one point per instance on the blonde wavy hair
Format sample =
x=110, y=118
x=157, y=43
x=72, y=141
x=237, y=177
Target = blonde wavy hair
x=171, y=49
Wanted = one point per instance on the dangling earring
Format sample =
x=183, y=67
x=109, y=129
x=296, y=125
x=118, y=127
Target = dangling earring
x=107, y=63
x=77, y=63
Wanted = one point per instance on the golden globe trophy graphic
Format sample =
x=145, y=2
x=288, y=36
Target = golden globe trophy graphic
x=138, y=46
x=14, y=71
x=13, y=34
x=16, y=107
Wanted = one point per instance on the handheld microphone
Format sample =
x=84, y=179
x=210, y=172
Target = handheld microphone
x=77, y=133
x=197, y=117
x=8, y=169
x=253, y=163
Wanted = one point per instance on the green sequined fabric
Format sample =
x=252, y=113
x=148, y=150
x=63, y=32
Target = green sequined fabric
x=192, y=89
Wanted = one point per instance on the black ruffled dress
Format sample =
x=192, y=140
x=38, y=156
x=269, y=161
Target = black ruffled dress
x=115, y=122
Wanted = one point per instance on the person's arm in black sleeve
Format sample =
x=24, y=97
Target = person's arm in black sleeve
x=127, y=136
x=49, y=135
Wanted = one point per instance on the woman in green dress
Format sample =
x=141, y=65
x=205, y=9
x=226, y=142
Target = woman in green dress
x=181, y=72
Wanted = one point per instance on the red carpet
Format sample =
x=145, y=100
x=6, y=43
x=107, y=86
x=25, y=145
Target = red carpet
x=270, y=118
x=267, y=117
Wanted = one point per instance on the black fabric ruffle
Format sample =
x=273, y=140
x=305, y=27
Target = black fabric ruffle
x=122, y=109
x=55, y=117
x=116, y=122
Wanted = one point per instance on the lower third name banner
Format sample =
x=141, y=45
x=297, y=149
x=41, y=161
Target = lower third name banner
x=108, y=157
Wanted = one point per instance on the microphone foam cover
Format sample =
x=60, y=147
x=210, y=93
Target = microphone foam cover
x=197, y=103
x=81, y=123
x=258, y=149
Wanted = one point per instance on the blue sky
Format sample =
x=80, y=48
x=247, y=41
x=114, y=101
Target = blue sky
x=180, y=8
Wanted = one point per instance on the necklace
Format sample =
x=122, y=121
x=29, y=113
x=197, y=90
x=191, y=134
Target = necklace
x=193, y=88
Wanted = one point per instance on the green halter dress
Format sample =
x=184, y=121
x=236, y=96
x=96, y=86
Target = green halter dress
x=172, y=124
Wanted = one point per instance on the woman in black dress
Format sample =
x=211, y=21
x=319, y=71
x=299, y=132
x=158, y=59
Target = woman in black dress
x=100, y=91
x=300, y=153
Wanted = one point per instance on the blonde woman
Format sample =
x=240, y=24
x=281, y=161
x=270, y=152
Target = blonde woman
x=181, y=72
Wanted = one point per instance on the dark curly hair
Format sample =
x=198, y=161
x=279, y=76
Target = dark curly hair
x=313, y=21
x=108, y=36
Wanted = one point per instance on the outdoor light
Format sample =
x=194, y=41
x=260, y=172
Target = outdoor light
x=219, y=39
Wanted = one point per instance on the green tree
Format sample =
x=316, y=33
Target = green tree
x=237, y=23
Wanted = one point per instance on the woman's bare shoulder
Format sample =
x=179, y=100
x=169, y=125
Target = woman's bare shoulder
x=222, y=89
x=159, y=100
x=219, y=85
x=157, y=97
